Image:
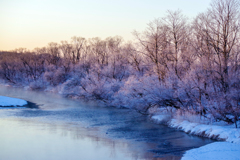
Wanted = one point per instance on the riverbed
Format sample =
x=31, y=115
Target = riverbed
x=62, y=129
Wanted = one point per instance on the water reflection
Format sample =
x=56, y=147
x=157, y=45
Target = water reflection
x=35, y=140
x=65, y=129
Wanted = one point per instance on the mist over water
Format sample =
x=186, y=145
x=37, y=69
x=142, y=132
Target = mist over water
x=67, y=129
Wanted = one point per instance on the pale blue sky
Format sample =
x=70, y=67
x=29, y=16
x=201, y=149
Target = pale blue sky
x=34, y=23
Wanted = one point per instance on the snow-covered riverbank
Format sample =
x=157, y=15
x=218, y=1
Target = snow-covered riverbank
x=11, y=102
x=214, y=151
x=225, y=132
x=229, y=150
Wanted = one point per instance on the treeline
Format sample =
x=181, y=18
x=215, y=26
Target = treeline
x=191, y=66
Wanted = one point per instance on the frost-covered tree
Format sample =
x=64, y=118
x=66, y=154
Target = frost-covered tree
x=153, y=45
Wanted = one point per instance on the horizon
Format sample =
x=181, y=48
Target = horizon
x=34, y=23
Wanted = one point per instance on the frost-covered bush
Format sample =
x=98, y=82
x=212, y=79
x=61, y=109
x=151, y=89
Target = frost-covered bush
x=145, y=92
x=91, y=87
x=55, y=76
x=39, y=84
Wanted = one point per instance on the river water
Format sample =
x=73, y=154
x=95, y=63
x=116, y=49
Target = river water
x=65, y=129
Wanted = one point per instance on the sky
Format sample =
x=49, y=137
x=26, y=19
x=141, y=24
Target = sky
x=35, y=23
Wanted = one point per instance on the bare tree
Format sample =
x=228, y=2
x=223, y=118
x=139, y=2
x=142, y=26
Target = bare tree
x=134, y=58
x=66, y=50
x=21, y=50
x=153, y=44
x=40, y=50
x=178, y=33
x=53, y=50
x=33, y=65
x=98, y=51
x=78, y=44
x=219, y=31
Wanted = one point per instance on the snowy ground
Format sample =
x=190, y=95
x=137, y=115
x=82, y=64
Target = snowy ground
x=225, y=132
x=13, y=102
x=214, y=151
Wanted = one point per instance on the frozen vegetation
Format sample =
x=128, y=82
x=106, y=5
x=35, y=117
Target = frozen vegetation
x=14, y=102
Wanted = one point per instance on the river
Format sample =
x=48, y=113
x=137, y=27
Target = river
x=66, y=129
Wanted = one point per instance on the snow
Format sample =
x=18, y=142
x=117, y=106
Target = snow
x=214, y=151
x=227, y=133
x=8, y=101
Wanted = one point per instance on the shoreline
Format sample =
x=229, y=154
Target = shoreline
x=225, y=133
x=197, y=129
x=227, y=146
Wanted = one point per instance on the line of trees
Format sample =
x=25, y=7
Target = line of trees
x=191, y=66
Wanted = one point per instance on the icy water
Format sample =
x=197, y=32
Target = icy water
x=64, y=129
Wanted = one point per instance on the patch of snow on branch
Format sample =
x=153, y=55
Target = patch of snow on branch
x=8, y=101
x=214, y=151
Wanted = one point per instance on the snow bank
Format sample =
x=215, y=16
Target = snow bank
x=214, y=151
x=226, y=133
x=8, y=101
